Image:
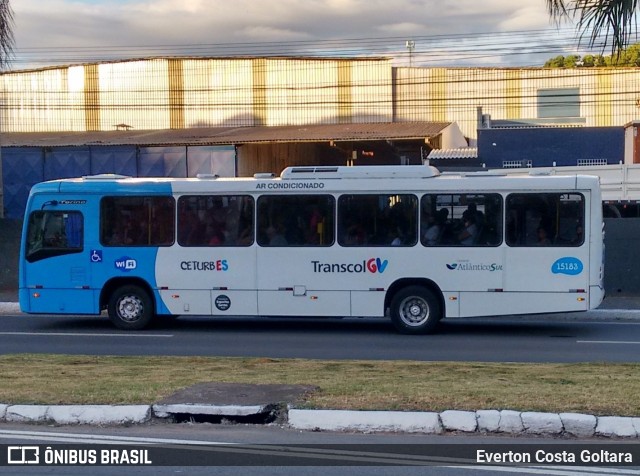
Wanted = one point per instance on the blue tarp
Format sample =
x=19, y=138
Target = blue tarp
x=64, y=162
x=114, y=160
x=162, y=162
x=22, y=167
x=217, y=160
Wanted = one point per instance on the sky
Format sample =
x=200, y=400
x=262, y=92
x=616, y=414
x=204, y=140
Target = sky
x=444, y=32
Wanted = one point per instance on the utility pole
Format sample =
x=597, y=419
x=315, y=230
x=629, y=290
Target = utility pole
x=411, y=45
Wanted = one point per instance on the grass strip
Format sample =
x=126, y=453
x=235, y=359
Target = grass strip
x=593, y=388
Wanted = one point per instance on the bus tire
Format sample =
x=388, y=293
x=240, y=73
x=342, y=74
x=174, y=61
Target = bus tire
x=415, y=310
x=130, y=308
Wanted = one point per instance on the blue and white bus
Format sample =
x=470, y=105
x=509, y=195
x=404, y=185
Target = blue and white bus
x=403, y=242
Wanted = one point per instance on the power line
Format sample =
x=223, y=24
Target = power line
x=430, y=48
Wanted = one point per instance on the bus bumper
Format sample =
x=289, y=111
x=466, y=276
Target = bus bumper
x=596, y=295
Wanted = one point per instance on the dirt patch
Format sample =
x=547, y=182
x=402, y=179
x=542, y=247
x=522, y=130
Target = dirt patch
x=239, y=394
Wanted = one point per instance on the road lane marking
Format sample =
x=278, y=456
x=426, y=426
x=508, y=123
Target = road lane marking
x=90, y=438
x=308, y=452
x=551, y=470
x=548, y=471
x=623, y=342
x=80, y=334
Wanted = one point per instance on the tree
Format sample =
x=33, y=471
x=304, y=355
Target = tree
x=591, y=61
x=6, y=33
x=615, y=19
x=557, y=62
x=571, y=61
x=629, y=57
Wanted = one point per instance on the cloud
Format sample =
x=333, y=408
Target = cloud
x=273, y=34
x=136, y=27
x=409, y=28
x=526, y=18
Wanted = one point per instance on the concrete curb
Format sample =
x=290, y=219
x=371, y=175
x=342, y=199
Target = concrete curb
x=9, y=307
x=365, y=421
x=482, y=421
x=76, y=414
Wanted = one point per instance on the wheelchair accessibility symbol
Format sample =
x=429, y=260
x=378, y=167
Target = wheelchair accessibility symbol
x=96, y=256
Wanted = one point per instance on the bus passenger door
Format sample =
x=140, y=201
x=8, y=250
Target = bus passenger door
x=546, y=254
x=293, y=232
x=211, y=270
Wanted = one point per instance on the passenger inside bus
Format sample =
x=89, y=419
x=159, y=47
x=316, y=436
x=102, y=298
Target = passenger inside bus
x=435, y=227
x=397, y=236
x=578, y=239
x=355, y=234
x=275, y=236
x=468, y=234
x=543, y=239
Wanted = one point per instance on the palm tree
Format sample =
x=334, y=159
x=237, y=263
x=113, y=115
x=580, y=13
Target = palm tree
x=612, y=18
x=6, y=33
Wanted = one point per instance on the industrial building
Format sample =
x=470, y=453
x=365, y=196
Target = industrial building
x=242, y=115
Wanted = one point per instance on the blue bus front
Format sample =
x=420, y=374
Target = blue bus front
x=55, y=276
x=65, y=260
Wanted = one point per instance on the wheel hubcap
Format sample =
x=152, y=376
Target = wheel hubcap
x=414, y=311
x=130, y=308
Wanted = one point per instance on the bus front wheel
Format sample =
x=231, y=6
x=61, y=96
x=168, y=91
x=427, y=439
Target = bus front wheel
x=415, y=310
x=130, y=308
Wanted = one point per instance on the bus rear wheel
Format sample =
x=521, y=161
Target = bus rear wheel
x=415, y=310
x=130, y=308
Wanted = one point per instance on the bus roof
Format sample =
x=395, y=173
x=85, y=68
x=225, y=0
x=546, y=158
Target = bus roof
x=363, y=171
x=327, y=179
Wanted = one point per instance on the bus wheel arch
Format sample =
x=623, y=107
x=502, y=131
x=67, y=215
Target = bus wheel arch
x=129, y=303
x=415, y=306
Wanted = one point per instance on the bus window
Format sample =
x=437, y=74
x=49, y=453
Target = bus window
x=461, y=220
x=296, y=220
x=137, y=221
x=545, y=219
x=377, y=220
x=215, y=220
x=53, y=233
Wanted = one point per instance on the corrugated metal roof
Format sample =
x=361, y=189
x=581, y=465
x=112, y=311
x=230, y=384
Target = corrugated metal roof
x=133, y=59
x=229, y=135
x=459, y=153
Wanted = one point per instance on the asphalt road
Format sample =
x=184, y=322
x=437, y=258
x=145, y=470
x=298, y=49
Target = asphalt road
x=598, y=336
